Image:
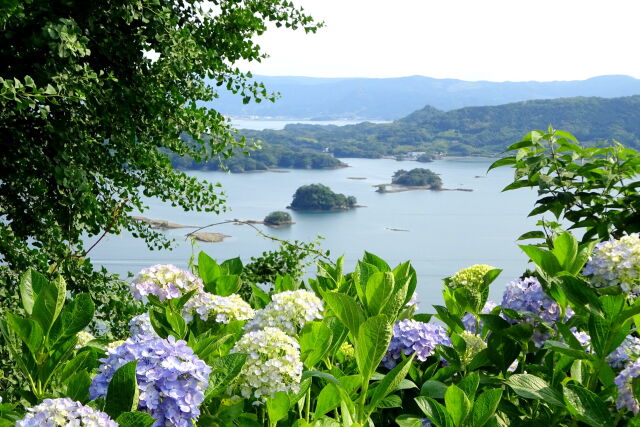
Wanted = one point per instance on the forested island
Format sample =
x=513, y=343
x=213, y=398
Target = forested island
x=278, y=219
x=417, y=177
x=318, y=197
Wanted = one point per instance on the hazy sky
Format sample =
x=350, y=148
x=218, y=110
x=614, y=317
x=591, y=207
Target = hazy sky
x=466, y=39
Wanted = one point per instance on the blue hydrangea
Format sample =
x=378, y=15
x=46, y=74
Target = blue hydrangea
x=527, y=297
x=616, y=263
x=628, y=350
x=624, y=382
x=140, y=327
x=426, y=422
x=171, y=378
x=470, y=321
x=64, y=412
x=411, y=336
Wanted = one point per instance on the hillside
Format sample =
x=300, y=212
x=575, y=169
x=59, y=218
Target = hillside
x=470, y=130
x=392, y=98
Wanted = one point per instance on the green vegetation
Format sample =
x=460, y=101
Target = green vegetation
x=417, y=177
x=277, y=218
x=470, y=131
x=318, y=197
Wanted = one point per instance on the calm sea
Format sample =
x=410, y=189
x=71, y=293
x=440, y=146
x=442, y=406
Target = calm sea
x=445, y=231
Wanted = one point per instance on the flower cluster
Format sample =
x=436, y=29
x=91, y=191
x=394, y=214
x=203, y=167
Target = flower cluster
x=64, y=412
x=470, y=276
x=140, y=327
x=164, y=281
x=624, y=382
x=273, y=363
x=616, y=263
x=413, y=303
x=629, y=350
x=222, y=309
x=171, y=378
x=288, y=311
x=527, y=297
x=84, y=338
x=411, y=336
x=347, y=350
x=475, y=344
x=470, y=321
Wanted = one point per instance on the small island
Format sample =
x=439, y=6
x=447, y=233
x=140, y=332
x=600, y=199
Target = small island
x=318, y=197
x=415, y=179
x=277, y=219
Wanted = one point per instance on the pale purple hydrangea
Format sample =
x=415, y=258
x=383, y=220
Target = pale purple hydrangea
x=413, y=303
x=426, y=422
x=411, y=336
x=171, y=378
x=527, y=297
x=64, y=412
x=616, y=263
x=583, y=338
x=165, y=281
x=288, y=311
x=470, y=321
x=629, y=350
x=221, y=309
x=624, y=382
x=140, y=327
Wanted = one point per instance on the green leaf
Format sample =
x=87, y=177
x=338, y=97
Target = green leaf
x=409, y=421
x=435, y=389
x=379, y=288
x=135, y=419
x=372, y=343
x=378, y=262
x=580, y=293
x=227, y=285
x=587, y=406
x=545, y=260
x=30, y=285
x=223, y=371
x=278, y=406
x=177, y=323
x=49, y=303
x=77, y=314
x=532, y=235
x=122, y=393
x=469, y=384
x=389, y=383
x=346, y=309
x=78, y=386
x=532, y=387
x=208, y=268
x=457, y=404
x=315, y=343
x=485, y=406
x=232, y=266
x=562, y=348
x=436, y=413
x=328, y=399
x=28, y=331
x=505, y=161
x=565, y=249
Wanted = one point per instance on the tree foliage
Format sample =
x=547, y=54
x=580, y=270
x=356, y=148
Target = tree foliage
x=417, y=177
x=277, y=218
x=320, y=197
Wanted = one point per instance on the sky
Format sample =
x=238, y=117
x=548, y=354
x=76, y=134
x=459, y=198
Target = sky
x=496, y=40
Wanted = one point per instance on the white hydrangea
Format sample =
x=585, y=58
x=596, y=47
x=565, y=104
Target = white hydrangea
x=616, y=262
x=165, y=281
x=273, y=363
x=83, y=339
x=289, y=311
x=225, y=309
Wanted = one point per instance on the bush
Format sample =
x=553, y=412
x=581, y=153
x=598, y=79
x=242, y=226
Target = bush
x=277, y=218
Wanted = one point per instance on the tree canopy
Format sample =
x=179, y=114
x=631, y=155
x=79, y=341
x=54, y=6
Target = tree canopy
x=320, y=197
x=94, y=97
x=417, y=177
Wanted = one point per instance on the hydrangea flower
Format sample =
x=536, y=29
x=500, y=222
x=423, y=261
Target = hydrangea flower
x=223, y=309
x=64, y=412
x=616, y=263
x=347, y=350
x=469, y=320
x=628, y=350
x=171, y=378
x=624, y=382
x=470, y=276
x=475, y=344
x=83, y=339
x=527, y=297
x=273, y=363
x=411, y=336
x=140, y=327
x=583, y=338
x=288, y=311
x=165, y=281
x=413, y=302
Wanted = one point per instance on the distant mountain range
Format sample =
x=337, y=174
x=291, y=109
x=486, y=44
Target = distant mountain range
x=308, y=98
x=468, y=131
